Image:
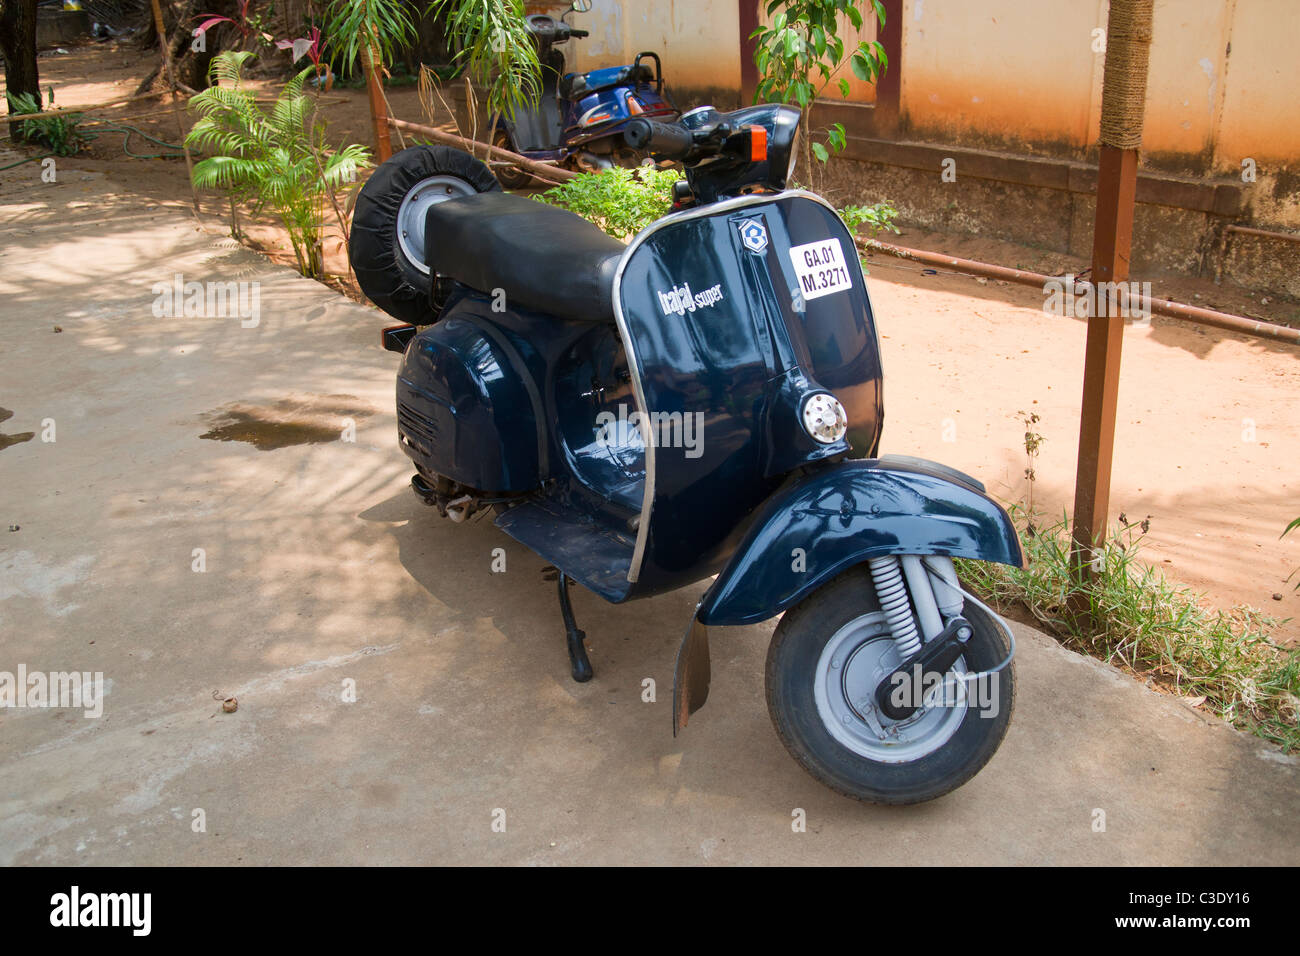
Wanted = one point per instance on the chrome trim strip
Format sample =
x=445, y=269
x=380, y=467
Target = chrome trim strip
x=634, y=366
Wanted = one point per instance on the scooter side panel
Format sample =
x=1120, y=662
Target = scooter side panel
x=841, y=516
x=463, y=409
x=539, y=126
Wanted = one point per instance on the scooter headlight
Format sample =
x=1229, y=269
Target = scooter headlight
x=824, y=418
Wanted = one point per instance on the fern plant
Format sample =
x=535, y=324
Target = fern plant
x=59, y=133
x=275, y=159
x=368, y=28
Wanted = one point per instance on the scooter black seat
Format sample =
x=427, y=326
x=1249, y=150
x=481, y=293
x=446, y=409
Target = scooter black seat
x=543, y=257
x=574, y=85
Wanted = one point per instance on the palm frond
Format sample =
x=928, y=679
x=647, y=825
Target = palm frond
x=270, y=159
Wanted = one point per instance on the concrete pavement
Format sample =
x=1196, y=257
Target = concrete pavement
x=296, y=574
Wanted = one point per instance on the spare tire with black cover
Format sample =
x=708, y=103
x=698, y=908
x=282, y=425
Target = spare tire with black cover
x=387, y=246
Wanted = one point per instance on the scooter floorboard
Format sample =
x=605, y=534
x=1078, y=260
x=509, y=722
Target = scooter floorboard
x=588, y=552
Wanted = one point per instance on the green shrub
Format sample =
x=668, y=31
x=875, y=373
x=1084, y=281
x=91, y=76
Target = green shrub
x=620, y=201
x=877, y=218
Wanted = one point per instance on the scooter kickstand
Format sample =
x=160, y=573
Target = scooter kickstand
x=578, y=659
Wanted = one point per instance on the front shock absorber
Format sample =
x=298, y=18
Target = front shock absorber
x=891, y=590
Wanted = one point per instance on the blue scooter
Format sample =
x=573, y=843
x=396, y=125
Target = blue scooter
x=704, y=402
x=579, y=118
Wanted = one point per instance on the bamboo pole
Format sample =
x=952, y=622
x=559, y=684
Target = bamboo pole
x=171, y=83
x=84, y=111
x=14, y=117
x=540, y=170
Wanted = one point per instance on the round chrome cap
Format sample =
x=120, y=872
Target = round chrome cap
x=824, y=418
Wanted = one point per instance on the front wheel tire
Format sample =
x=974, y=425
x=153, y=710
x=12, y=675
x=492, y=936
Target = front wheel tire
x=826, y=658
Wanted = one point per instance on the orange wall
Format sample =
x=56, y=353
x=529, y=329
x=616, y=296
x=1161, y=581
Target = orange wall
x=1024, y=71
x=1222, y=80
x=698, y=40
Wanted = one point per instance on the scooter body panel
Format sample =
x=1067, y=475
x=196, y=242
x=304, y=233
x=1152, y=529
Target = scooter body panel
x=604, y=113
x=469, y=404
x=538, y=129
x=841, y=515
x=589, y=119
x=723, y=343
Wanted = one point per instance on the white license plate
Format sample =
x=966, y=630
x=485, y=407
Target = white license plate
x=821, y=268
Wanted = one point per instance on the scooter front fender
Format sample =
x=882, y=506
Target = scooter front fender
x=843, y=514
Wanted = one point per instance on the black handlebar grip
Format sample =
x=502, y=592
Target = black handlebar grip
x=660, y=139
x=579, y=33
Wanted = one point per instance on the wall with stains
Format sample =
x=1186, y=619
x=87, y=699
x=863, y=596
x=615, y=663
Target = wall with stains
x=1220, y=87
x=999, y=71
x=1025, y=74
x=699, y=42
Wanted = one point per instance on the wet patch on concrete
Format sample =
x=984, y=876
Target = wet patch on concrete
x=15, y=439
x=311, y=421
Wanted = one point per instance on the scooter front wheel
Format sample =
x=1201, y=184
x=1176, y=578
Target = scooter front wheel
x=826, y=659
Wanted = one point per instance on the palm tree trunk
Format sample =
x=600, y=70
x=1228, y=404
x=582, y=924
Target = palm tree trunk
x=18, y=43
x=374, y=65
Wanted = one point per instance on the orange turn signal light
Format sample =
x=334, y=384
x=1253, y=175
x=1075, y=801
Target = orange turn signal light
x=757, y=144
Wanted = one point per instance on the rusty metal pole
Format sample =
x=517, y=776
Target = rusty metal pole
x=1128, y=45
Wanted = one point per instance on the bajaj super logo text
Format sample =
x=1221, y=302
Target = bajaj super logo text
x=679, y=300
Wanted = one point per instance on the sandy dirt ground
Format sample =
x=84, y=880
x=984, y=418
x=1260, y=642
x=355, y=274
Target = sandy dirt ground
x=1207, y=439
x=396, y=696
x=1209, y=425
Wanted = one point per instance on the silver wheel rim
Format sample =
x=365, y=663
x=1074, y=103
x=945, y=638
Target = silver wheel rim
x=410, y=214
x=856, y=658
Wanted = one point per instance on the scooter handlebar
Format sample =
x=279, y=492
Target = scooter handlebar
x=579, y=33
x=659, y=139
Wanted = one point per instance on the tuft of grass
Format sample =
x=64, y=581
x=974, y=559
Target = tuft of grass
x=1289, y=528
x=1130, y=615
